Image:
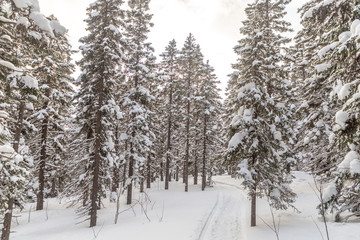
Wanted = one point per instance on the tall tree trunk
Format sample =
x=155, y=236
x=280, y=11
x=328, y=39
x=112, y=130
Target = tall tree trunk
x=116, y=168
x=161, y=171
x=125, y=166
x=187, y=150
x=97, y=158
x=177, y=173
x=148, y=169
x=7, y=221
x=196, y=169
x=203, y=182
x=130, y=175
x=5, y=235
x=168, y=148
x=42, y=164
x=253, y=208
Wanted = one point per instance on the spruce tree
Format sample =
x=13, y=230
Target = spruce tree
x=97, y=109
x=169, y=73
x=256, y=142
x=138, y=98
x=190, y=63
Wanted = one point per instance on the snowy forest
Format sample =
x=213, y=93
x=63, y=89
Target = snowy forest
x=142, y=145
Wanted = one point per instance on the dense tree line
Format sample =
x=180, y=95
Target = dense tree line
x=119, y=126
x=295, y=106
x=130, y=119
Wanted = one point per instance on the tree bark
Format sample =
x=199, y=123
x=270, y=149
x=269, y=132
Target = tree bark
x=97, y=158
x=7, y=221
x=203, y=182
x=130, y=175
x=168, y=148
x=42, y=164
x=148, y=169
x=187, y=150
x=196, y=169
x=8, y=215
x=177, y=173
x=253, y=208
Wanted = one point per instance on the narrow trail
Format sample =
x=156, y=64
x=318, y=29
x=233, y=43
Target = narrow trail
x=224, y=220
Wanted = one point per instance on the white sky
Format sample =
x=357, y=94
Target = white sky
x=214, y=23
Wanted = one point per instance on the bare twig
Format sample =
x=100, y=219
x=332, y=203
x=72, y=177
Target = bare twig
x=97, y=234
x=319, y=194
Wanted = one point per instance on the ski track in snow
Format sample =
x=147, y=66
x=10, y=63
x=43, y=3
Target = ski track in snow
x=224, y=220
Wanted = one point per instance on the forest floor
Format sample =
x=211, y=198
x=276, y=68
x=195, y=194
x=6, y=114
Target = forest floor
x=219, y=213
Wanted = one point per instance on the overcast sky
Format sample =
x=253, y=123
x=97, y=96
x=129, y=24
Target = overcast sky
x=214, y=23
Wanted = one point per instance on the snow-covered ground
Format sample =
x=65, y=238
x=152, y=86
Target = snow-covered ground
x=219, y=213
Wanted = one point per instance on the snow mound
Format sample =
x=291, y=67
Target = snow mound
x=329, y=191
x=349, y=158
x=341, y=117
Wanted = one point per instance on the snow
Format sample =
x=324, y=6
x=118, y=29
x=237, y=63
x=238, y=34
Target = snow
x=309, y=13
x=341, y=117
x=326, y=49
x=23, y=21
x=355, y=166
x=355, y=27
x=344, y=91
x=57, y=27
x=5, y=20
x=219, y=213
x=6, y=149
x=33, y=4
x=322, y=67
x=42, y=22
x=30, y=82
x=248, y=87
x=350, y=156
x=235, y=141
x=9, y=65
x=329, y=191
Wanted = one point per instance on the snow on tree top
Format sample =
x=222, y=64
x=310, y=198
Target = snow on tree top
x=42, y=22
x=309, y=13
x=33, y=4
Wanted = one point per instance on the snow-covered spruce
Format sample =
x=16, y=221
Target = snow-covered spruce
x=257, y=139
x=97, y=111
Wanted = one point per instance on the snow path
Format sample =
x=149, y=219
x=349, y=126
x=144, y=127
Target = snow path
x=218, y=213
x=224, y=220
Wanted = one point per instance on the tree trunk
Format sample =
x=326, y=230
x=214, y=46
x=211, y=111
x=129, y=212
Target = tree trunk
x=203, y=182
x=116, y=168
x=142, y=180
x=168, y=148
x=148, y=169
x=187, y=154
x=8, y=215
x=161, y=171
x=253, y=209
x=53, y=188
x=7, y=221
x=130, y=175
x=196, y=170
x=177, y=173
x=42, y=164
x=97, y=158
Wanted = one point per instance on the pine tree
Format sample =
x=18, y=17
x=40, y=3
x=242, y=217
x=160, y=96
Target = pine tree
x=341, y=53
x=98, y=111
x=190, y=63
x=138, y=97
x=256, y=142
x=210, y=111
x=169, y=72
